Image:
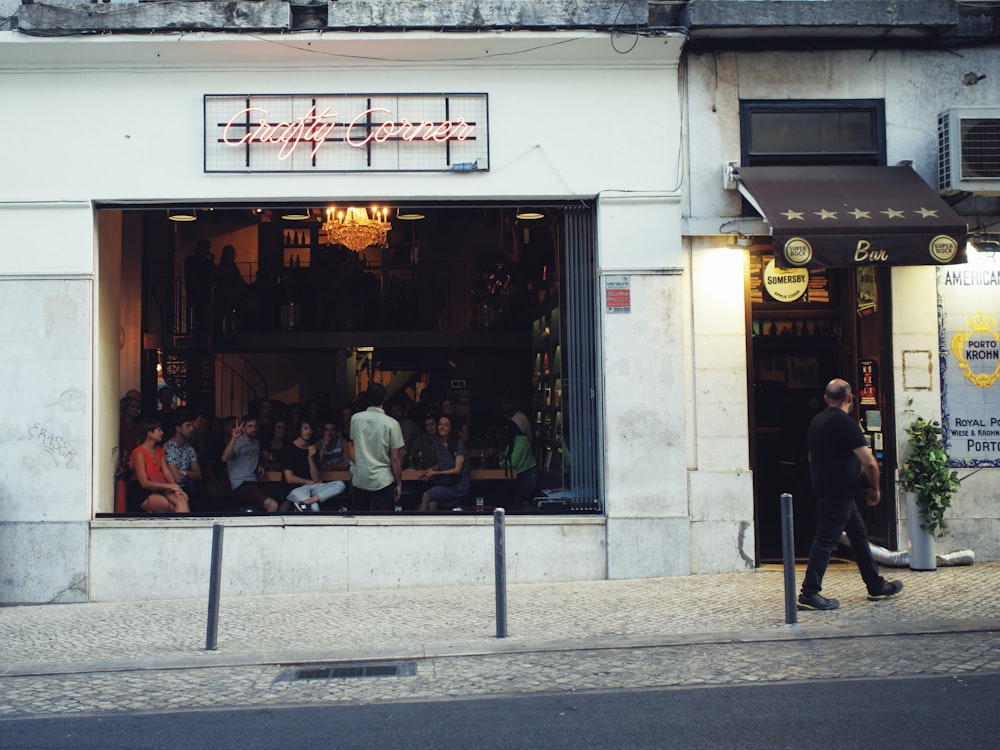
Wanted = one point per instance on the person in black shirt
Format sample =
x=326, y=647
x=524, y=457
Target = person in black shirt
x=838, y=454
x=199, y=270
x=301, y=472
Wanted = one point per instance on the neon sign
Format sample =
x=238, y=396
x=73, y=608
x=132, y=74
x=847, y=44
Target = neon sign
x=345, y=132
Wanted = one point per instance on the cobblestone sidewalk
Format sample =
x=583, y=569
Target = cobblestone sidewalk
x=592, y=635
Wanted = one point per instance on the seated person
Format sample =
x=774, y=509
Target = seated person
x=421, y=450
x=153, y=491
x=273, y=444
x=449, y=477
x=410, y=429
x=128, y=427
x=517, y=454
x=332, y=456
x=182, y=459
x=510, y=410
x=300, y=471
x=165, y=401
x=242, y=458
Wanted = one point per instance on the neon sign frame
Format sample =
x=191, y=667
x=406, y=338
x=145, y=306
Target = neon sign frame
x=346, y=132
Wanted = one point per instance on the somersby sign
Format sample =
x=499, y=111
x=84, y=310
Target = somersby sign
x=346, y=132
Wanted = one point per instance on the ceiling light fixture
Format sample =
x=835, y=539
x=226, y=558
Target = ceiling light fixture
x=297, y=214
x=529, y=214
x=181, y=214
x=353, y=228
x=410, y=215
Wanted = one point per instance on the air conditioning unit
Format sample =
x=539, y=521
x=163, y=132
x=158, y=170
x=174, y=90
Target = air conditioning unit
x=969, y=150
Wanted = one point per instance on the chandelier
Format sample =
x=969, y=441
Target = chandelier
x=354, y=229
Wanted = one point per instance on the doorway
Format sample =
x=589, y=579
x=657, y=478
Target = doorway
x=807, y=327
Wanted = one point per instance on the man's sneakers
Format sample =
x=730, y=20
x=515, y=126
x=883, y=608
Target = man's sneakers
x=815, y=601
x=889, y=588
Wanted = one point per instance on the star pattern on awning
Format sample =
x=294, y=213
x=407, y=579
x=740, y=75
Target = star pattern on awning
x=843, y=216
x=859, y=214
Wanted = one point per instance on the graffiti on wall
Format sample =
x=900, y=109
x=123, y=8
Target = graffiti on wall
x=58, y=447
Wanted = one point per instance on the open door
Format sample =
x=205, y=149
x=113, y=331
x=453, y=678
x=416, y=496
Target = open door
x=808, y=327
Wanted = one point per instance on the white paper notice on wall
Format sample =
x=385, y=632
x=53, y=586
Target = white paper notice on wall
x=618, y=294
x=916, y=370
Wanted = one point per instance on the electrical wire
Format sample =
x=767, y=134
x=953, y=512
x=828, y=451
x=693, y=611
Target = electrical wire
x=614, y=26
x=487, y=56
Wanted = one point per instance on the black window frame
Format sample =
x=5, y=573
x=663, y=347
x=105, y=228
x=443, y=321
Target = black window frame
x=876, y=156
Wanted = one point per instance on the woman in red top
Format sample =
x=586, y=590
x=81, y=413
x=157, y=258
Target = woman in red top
x=155, y=494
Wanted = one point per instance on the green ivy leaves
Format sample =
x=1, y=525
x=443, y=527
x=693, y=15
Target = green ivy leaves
x=925, y=473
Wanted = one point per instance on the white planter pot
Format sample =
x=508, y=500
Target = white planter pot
x=923, y=553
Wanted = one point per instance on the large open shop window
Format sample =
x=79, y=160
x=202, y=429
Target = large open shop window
x=467, y=304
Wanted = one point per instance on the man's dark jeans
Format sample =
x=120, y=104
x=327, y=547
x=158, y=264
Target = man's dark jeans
x=835, y=516
x=380, y=501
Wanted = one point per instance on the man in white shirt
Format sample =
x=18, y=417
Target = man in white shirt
x=182, y=459
x=377, y=441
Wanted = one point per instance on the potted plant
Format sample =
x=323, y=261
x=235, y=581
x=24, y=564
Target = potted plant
x=924, y=475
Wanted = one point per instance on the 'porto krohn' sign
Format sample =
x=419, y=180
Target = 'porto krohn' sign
x=346, y=132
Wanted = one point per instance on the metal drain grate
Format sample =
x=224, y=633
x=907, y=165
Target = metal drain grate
x=348, y=671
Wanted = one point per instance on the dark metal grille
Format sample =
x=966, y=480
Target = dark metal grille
x=580, y=292
x=348, y=671
x=980, y=148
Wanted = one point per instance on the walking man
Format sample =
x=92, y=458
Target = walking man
x=837, y=450
x=377, y=441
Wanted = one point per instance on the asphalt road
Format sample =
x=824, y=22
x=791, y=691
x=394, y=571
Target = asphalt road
x=949, y=711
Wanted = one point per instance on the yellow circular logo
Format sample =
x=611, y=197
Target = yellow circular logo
x=798, y=252
x=785, y=284
x=943, y=248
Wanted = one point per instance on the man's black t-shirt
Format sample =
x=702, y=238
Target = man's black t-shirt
x=833, y=436
x=296, y=459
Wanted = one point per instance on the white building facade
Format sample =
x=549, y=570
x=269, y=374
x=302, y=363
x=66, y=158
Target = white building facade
x=106, y=122
x=637, y=129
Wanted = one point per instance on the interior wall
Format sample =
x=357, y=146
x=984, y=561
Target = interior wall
x=122, y=254
x=110, y=347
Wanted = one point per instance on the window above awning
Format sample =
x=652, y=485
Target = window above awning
x=846, y=216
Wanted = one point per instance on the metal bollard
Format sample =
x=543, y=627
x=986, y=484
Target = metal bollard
x=500, y=567
x=788, y=559
x=214, y=585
